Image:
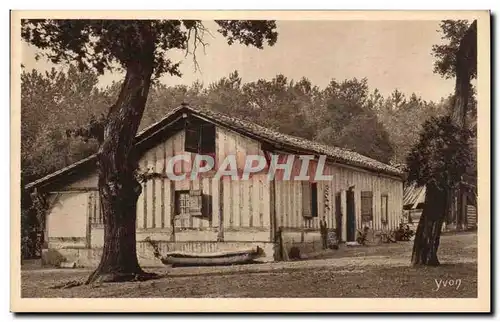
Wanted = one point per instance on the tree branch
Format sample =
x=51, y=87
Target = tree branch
x=196, y=33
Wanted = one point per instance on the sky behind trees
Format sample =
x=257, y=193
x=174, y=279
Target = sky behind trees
x=390, y=54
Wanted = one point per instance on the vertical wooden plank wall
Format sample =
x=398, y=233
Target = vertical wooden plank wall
x=246, y=203
x=289, y=199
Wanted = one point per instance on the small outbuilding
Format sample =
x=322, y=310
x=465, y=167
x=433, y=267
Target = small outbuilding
x=466, y=202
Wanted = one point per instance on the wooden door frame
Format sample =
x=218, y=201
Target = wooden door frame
x=220, y=227
x=351, y=214
x=338, y=215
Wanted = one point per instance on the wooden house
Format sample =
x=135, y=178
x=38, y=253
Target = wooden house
x=210, y=213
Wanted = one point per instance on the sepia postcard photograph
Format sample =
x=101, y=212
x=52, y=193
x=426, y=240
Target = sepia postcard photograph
x=283, y=161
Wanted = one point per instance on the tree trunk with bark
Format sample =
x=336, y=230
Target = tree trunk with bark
x=466, y=64
x=429, y=227
x=118, y=186
x=466, y=61
x=437, y=201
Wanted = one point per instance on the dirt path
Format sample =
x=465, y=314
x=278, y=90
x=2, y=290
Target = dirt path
x=381, y=271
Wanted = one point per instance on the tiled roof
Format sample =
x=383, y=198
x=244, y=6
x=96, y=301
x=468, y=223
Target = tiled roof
x=336, y=154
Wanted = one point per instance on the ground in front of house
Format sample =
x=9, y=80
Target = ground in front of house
x=365, y=271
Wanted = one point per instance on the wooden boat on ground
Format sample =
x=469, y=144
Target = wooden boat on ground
x=226, y=258
x=238, y=257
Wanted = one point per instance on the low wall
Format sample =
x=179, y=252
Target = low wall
x=90, y=257
x=246, y=234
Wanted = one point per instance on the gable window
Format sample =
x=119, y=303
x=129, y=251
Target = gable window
x=366, y=206
x=207, y=141
x=200, y=138
x=192, y=138
x=309, y=199
x=385, y=209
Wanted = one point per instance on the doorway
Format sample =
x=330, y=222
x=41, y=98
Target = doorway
x=351, y=215
x=338, y=215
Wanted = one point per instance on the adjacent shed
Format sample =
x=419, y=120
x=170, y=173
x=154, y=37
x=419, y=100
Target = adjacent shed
x=414, y=200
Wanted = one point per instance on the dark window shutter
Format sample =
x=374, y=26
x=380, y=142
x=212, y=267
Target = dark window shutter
x=366, y=206
x=314, y=199
x=206, y=207
x=306, y=199
x=192, y=139
x=207, y=139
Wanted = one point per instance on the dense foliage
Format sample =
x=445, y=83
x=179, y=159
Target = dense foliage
x=56, y=104
x=446, y=151
x=52, y=103
x=441, y=155
x=452, y=33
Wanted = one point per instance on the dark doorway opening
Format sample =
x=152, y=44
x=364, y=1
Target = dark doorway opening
x=338, y=215
x=351, y=215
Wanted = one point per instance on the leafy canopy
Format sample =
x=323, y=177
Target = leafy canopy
x=52, y=102
x=441, y=155
x=453, y=31
x=100, y=44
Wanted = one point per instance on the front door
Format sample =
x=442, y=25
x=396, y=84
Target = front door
x=351, y=215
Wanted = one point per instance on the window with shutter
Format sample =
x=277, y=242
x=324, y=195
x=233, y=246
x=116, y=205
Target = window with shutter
x=190, y=202
x=314, y=199
x=192, y=139
x=385, y=209
x=309, y=199
x=207, y=145
x=200, y=138
x=366, y=206
x=182, y=202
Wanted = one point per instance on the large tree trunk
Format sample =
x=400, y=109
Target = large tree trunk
x=466, y=61
x=118, y=186
x=439, y=203
x=429, y=227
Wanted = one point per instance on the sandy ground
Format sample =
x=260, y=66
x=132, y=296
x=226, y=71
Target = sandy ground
x=371, y=271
